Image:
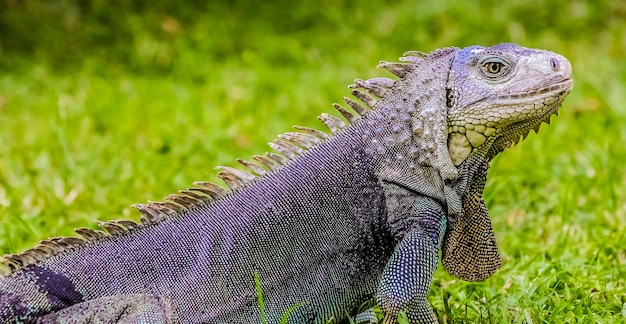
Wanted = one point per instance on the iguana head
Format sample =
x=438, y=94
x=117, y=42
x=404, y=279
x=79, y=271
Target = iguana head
x=495, y=96
x=501, y=92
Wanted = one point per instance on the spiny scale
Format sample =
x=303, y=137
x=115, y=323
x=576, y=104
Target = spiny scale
x=398, y=69
x=183, y=200
x=111, y=228
x=333, y=123
x=232, y=181
x=360, y=110
x=210, y=188
x=170, y=205
x=198, y=195
x=253, y=167
x=417, y=54
x=370, y=87
x=302, y=139
x=269, y=163
x=151, y=212
x=410, y=58
x=346, y=114
x=290, y=145
x=277, y=158
x=245, y=176
x=56, y=248
x=288, y=149
x=90, y=234
x=367, y=99
x=126, y=223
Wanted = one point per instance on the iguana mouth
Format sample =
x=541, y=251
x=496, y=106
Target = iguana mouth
x=550, y=93
x=464, y=140
x=564, y=87
x=520, y=130
x=549, y=89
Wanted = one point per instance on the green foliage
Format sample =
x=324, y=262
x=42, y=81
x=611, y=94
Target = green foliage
x=108, y=103
x=259, y=295
x=403, y=318
x=285, y=318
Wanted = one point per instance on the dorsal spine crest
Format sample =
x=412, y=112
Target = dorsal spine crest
x=290, y=145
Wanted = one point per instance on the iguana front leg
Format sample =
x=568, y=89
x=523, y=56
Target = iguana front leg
x=419, y=223
x=406, y=280
x=135, y=308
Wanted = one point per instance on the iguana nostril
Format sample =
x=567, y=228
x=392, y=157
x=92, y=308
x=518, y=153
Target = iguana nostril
x=554, y=63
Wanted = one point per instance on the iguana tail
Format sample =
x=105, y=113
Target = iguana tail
x=32, y=292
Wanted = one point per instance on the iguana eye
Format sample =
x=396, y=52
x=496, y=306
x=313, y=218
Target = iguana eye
x=494, y=67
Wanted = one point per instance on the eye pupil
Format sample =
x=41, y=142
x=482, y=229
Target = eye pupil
x=494, y=67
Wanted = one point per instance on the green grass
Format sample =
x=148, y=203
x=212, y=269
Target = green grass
x=106, y=105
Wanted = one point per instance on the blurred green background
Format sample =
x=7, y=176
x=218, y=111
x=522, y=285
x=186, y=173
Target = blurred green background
x=108, y=103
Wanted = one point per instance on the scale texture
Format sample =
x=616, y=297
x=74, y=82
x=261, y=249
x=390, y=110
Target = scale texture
x=327, y=223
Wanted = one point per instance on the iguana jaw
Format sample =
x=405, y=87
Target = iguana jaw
x=469, y=134
x=532, y=91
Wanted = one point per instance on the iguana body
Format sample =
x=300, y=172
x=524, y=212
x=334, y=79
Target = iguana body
x=331, y=223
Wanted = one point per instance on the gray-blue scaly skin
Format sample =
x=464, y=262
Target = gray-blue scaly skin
x=333, y=222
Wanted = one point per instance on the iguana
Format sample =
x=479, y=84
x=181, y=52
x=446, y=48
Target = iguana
x=326, y=222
